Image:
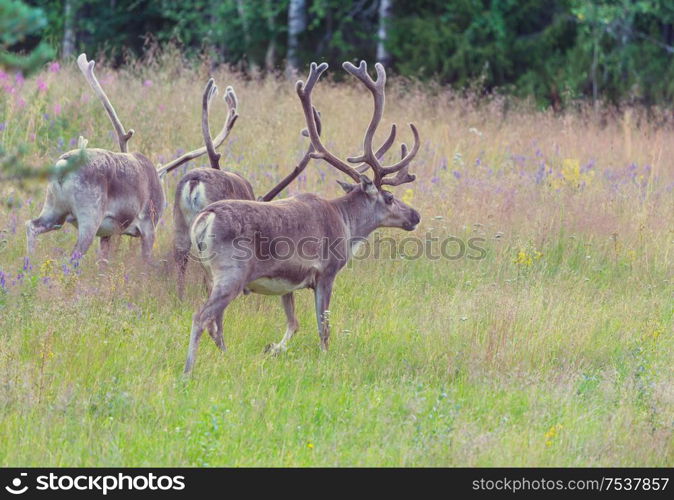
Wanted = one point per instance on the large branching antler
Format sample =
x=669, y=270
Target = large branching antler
x=300, y=166
x=232, y=115
x=87, y=68
x=304, y=92
x=369, y=157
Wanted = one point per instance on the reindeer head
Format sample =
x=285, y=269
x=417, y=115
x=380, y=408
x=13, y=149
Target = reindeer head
x=384, y=208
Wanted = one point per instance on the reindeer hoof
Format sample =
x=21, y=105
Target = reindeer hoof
x=273, y=349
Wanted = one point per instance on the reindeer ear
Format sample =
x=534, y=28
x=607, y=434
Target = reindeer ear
x=346, y=186
x=367, y=185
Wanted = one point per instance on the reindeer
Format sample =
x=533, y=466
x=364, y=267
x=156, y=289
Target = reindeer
x=110, y=193
x=236, y=239
x=202, y=186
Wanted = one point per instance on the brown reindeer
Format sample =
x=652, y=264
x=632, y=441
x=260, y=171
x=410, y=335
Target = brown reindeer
x=202, y=186
x=110, y=193
x=304, y=241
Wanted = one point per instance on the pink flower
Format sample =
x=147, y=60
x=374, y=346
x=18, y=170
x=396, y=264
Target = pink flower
x=41, y=85
x=19, y=79
x=32, y=137
x=147, y=83
x=3, y=75
x=54, y=67
x=20, y=102
x=57, y=109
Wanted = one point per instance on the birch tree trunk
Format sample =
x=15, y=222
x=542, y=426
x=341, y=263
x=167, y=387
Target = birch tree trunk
x=68, y=49
x=270, y=56
x=297, y=23
x=383, y=56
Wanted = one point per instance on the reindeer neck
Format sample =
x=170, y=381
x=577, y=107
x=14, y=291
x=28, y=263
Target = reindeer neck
x=356, y=214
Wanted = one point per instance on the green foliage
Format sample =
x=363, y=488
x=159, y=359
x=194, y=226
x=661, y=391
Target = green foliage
x=14, y=168
x=17, y=22
x=555, y=51
x=612, y=49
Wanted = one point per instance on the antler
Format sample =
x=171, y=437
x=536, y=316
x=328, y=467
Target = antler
x=232, y=115
x=300, y=166
x=369, y=157
x=403, y=175
x=321, y=153
x=210, y=90
x=87, y=68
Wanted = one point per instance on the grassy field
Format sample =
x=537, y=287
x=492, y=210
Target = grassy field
x=555, y=349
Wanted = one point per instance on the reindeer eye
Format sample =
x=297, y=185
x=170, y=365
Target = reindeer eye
x=388, y=197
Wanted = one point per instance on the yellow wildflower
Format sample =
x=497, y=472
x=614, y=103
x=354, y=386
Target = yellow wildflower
x=523, y=258
x=47, y=268
x=552, y=434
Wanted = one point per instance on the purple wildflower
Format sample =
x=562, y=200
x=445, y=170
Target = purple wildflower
x=27, y=266
x=587, y=167
x=540, y=174
x=75, y=259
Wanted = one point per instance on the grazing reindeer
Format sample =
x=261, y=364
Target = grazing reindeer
x=111, y=193
x=202, y=186
x=237, y=240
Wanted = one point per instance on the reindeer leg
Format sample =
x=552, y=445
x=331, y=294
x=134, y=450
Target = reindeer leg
x=106, y=243
x=215, y=330
x=51, y=217
x=39, y=226
x=86, y=231
x=181, y=249
x=292, y=326
x=322, y=294
x=147, y=241
x=48, y=220
x=210, y=316
x=181, y=258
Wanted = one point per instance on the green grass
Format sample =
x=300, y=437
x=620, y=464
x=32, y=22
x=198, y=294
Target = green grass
x=566, y=360
x=454, y=374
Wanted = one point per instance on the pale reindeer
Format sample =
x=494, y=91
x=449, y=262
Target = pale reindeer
x=200, y=187
x=110, y=193
x=235, y=238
